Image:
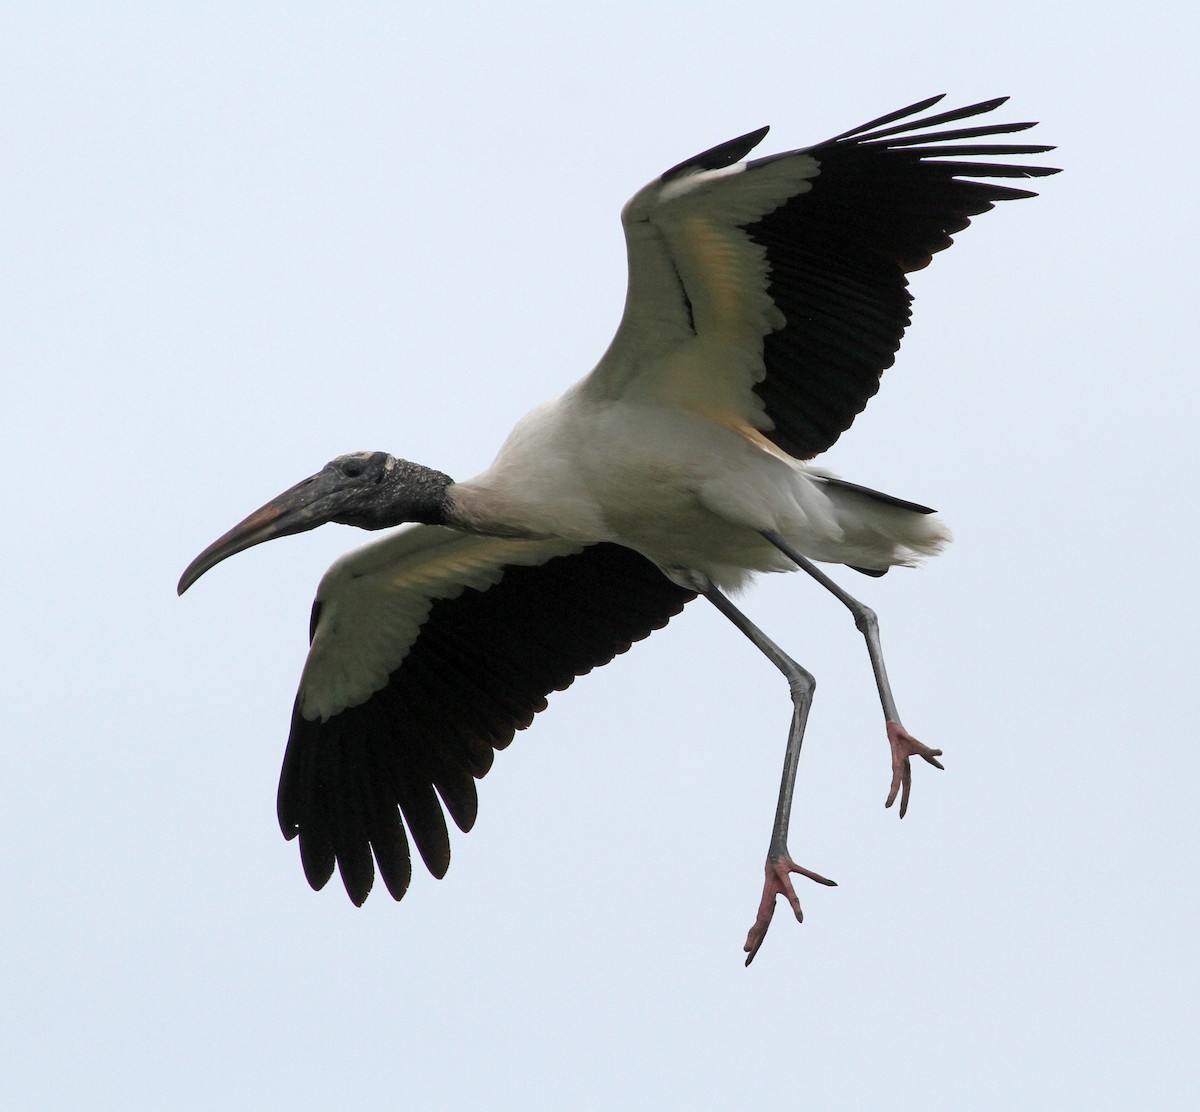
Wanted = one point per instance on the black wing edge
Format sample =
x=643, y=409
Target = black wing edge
x=873, y=135
x=718, y=157
x=480, y=669
x=886, y=198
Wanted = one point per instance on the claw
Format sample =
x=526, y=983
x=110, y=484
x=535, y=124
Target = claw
x=904, y=747
x=778, y=883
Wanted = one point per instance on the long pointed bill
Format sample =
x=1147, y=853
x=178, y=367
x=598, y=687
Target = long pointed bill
x=302, y=507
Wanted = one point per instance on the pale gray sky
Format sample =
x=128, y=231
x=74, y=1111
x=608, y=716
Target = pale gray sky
x=241, y=239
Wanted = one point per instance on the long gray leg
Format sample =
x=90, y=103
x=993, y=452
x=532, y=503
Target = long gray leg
x=903, y=745
x=779, y=865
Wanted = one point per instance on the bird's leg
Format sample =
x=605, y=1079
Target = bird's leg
x=903, y=745
x=779, y=865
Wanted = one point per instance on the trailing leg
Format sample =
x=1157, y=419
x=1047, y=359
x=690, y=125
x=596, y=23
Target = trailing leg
x=903, y=745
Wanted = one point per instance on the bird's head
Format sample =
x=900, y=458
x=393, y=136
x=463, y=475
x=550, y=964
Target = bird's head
x=370, y=490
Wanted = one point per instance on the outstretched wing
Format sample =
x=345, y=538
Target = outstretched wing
x=429, y=650
x=771, y=294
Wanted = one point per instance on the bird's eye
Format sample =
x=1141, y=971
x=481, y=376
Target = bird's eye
x=352, y=470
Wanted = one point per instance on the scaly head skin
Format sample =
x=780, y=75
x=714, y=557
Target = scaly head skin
x=369, y=490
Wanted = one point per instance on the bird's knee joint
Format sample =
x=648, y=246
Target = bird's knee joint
x=865, y=619
x=802, y=683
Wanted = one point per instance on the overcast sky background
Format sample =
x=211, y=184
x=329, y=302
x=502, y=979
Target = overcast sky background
x=240, y=239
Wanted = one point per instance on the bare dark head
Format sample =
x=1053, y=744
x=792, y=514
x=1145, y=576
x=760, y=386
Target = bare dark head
x=373, y=490
x=370, y=490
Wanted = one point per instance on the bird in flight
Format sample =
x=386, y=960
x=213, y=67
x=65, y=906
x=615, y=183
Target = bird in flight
x=765, y=299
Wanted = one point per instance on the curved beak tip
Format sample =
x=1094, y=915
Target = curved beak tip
x=294, y=511
x=207, y=559
x=260, y=526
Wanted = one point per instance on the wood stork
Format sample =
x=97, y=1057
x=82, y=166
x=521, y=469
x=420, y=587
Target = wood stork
x=765, y=299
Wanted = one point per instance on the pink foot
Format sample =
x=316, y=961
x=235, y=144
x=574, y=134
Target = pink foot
x=778, y=883
x=905, y=746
